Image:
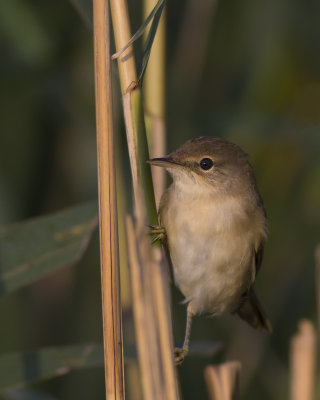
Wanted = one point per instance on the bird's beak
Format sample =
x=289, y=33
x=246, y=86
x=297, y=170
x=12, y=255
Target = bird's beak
x=165, y=162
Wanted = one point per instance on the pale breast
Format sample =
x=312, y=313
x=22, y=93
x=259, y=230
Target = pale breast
x=211, y=243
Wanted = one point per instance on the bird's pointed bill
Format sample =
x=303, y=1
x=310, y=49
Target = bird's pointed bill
x=164, y=162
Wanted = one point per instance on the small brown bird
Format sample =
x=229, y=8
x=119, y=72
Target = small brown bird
x=213, y=221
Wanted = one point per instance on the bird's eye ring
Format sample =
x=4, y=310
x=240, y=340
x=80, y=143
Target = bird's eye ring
x=206, y=163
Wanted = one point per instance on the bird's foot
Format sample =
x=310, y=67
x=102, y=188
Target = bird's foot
x=180, y=354
x=159, y=233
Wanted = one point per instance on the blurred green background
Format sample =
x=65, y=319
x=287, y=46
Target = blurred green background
x=248, y=71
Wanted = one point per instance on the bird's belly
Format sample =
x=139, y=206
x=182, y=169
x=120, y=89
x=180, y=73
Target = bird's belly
x=212, y=263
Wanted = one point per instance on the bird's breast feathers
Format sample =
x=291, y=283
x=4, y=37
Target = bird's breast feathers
x=212, y=241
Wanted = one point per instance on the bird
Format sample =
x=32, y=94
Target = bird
x=213, y=224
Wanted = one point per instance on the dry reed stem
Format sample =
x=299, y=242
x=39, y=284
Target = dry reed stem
x=223, y=380
x=303, y=350
x=152, y=317
x=154, y=100
x=111, y=310
x=161, y=293
x=139, y=314
x=121, y=29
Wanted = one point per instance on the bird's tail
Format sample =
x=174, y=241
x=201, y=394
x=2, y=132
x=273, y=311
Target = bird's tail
x=252, y=312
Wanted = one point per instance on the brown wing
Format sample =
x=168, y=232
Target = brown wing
x=258, y=256
x=250, y=308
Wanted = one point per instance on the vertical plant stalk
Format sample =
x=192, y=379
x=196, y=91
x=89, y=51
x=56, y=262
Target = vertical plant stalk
x=303, y=352
x=149, y=277
x=152, y=316
x=317, y=261
x=111, y=309
x=154, y=101
x=223, y=380
x=133, y=114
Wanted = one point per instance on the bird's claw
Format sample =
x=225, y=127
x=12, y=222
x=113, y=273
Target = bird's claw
x=180, y=354
x=158, y=231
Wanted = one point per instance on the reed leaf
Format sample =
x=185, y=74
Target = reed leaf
x=32, y=249
x=24, y=368
x=84, y=9
x=46, y=363
x=155, y=11
x=25, y=394
x=149, y=41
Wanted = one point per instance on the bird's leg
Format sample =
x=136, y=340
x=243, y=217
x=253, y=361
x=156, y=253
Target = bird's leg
x=181, y=352
x=159, y=232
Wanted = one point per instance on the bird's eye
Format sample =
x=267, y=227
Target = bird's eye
x=206, y=163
